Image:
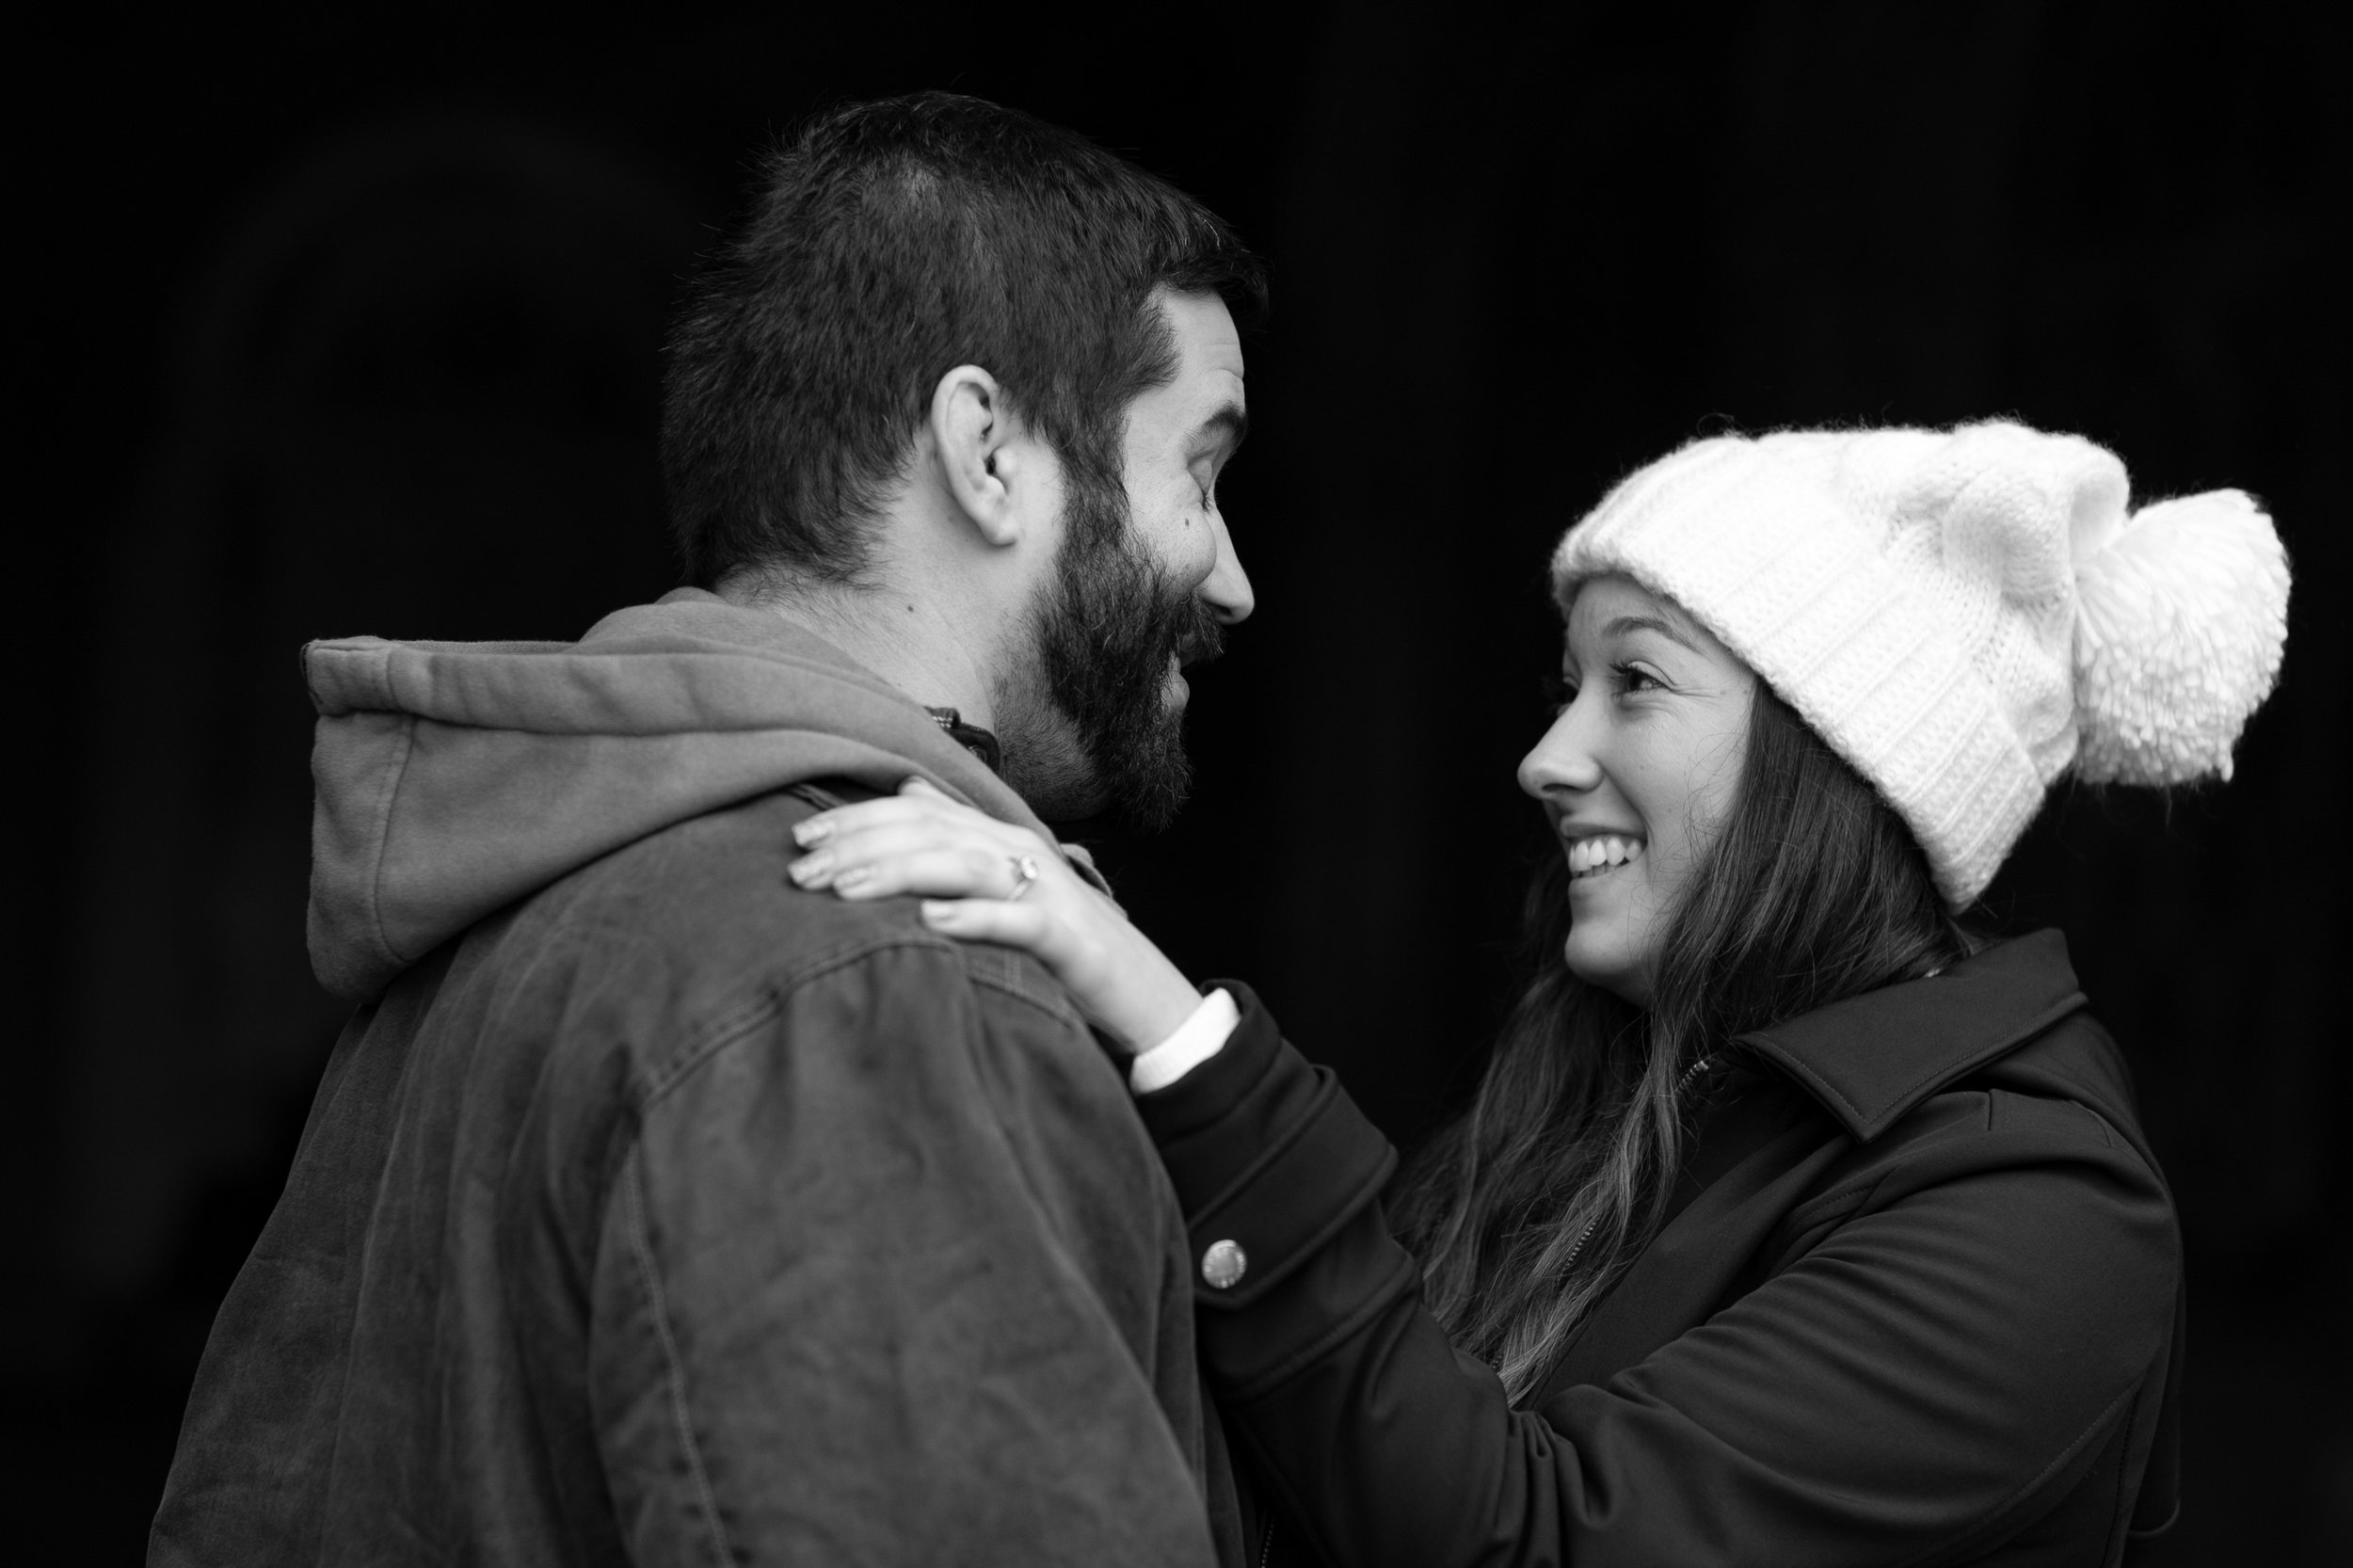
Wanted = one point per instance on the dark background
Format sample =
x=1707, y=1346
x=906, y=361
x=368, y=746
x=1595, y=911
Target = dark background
x=348, y=325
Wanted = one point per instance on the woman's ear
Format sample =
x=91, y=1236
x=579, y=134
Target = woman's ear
x=979, y=452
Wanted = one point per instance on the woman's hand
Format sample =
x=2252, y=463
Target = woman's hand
x=988, y=881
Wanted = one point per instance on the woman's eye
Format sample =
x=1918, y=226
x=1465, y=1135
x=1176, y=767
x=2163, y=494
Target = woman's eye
x=1631, y=680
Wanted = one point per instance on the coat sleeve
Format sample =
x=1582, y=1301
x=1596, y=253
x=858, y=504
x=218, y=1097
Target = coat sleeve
x=1924, y=1355
x=876, y=1284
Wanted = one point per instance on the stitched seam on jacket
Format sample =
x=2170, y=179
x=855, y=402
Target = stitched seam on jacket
x=1050, y=1228
x=1403, y=1276
x=1809, y=1218
x=2108, y=1133
x=2121, y=1521
x=355, y=1289
x=383, y=835
x=731, y=1024
x=674, y=1369
x=1839, y=1204
x=1012, y=984
x=2042, y=1476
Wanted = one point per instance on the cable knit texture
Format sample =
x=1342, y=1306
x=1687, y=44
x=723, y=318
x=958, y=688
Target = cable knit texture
x=1963, y=614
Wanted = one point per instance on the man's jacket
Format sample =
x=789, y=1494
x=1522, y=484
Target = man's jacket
x=1918, y=1302
x=652, y=1211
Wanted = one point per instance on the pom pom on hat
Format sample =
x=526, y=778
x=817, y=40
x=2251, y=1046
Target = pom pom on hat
x=1962, y=614
x=2182, y=620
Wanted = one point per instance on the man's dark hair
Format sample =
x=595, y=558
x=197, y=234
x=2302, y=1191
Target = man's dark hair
x=890, y=243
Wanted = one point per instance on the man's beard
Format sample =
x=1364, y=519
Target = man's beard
x=1092, y=723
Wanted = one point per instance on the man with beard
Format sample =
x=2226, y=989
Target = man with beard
x=652, y=1208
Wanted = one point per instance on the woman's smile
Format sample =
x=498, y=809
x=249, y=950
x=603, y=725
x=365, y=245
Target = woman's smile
x=1600, y=853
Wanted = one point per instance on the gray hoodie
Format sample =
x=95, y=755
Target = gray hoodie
x=457, y=777
x=651, y=1209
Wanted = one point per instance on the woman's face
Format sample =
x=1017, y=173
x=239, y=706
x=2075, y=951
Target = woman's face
x=1638, y=771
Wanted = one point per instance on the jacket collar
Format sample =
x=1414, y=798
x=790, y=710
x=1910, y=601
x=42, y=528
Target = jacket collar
x=1870, y=1058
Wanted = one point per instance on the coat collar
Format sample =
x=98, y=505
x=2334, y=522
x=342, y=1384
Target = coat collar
x=1870, y=1058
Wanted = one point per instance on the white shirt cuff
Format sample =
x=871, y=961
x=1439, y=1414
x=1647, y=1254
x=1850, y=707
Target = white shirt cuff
x=1198, y=1038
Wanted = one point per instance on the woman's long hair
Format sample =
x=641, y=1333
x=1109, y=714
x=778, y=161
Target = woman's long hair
x=1527, y=1208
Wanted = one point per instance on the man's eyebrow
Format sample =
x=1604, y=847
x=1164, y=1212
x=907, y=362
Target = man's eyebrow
x=1623, y=624
x=1230, y=420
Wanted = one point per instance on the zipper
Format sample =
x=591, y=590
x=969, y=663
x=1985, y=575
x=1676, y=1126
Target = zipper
x=1586, y=1235
x=1582, y=1237
x=1266, y=1544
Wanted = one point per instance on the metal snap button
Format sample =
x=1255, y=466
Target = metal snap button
x=1223, y=1265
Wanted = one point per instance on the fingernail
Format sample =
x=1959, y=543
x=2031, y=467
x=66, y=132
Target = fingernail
x=810, y=870
x=938, y=909
x=814, y=831
x=853, y=879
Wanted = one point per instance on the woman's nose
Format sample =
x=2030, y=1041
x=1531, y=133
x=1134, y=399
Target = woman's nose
x=1562, y=760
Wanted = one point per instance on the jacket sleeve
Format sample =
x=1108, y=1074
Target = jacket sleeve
x=1924, y=1355
x=876, y=1283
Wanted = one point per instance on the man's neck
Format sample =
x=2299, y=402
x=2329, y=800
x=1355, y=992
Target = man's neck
x=903, y=637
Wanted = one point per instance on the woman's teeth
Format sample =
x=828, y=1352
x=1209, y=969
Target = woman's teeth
x=1589, y=856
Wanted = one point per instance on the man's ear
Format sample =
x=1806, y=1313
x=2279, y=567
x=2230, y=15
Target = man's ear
x=980, y=451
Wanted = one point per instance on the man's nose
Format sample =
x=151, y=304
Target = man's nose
x=1226, y=589
x=1563, y=761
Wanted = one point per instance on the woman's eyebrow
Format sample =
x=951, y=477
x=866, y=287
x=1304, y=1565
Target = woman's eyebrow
x=1624, y=624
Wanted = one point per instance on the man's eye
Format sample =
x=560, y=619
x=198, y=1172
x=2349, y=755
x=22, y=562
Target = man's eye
x=1559, y=691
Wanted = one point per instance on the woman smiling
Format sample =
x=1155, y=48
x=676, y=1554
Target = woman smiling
x=1792, y=1221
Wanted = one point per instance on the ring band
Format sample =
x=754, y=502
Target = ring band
x=1024, y=873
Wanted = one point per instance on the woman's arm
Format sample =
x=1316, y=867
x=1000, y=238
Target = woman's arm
x=1957, y=1341
x=1940, y=1356
x=1915, y=1380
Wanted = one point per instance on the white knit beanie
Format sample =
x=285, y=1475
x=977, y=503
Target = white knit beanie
x=1962, y=614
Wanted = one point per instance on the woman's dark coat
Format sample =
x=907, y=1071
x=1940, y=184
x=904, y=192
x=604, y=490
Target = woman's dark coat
x=1919, y=1302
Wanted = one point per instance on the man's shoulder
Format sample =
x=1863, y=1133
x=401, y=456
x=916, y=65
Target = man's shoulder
x=726, y=988
x=698, y=929
x=708, y=893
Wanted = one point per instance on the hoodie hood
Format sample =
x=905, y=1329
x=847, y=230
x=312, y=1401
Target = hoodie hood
x=454, y=778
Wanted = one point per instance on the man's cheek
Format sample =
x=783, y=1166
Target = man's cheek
x=1184, y=545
